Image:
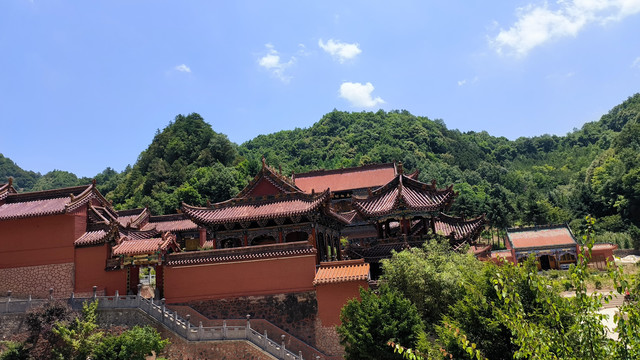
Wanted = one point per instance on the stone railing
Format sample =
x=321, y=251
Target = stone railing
x=168, y=318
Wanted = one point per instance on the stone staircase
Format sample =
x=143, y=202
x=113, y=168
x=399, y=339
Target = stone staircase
x=262, y=326
x=235, y=329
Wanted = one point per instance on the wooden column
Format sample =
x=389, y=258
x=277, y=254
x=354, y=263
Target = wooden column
x=280, y=237
x=203, y=236
x=246, y=239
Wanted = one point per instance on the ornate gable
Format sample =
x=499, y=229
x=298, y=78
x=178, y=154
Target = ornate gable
x=268, y=182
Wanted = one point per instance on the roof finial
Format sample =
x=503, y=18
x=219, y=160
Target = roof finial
x=433, y=184
x=400, y=170
x=264, y=162
x=280, y=168
x=10, y=180
x=93, y=182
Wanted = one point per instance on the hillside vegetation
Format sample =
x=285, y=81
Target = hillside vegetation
x=538, y=180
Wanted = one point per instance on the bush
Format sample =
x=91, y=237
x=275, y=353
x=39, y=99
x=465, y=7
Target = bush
x=134, y=344
x=15, y=351
x=567, y=285
x=368, y=324
x=598, y=283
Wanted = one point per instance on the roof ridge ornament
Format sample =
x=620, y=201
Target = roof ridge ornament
x=400, y=169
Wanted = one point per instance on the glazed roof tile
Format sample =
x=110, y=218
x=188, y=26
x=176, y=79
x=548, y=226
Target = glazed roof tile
x=140, y=234
x=404, y=192
x=131, y=247
x=49, y=202
x=172, y=223
x=133, y=218
x=342, y=271
x=458, y=227
x=252, y=209
x=241, y=254
x=6, y=189
x=368, y=176
x=91, y=238
x=534, y=237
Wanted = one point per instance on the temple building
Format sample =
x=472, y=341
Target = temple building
x=304, y=244
x=553, y=246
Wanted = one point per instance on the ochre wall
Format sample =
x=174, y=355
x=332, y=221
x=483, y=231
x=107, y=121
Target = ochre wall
x=40, y=240
x=332, y=297
x=90, y=264
x=242, y=278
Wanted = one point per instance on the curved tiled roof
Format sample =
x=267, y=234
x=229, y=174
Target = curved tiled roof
x=130, y=247
x=91, y=238
x=49, y=202
x=260, y=208
x=173, y=223
x=540, y=236
x=257, y=252
x=133, y=218
x=458, y=227
x=6, y=189
x=404, y=192
x=342, y=271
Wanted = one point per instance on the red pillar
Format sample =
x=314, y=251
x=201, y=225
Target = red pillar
x=203, y=236
x=280, y=237
x=134, y=278
x=246, y=240
x=160, y=280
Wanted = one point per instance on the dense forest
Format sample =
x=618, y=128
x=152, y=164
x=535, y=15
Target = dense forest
x=537, y=180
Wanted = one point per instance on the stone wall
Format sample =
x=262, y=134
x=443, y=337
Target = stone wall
x=11, y=325
x=37, y=280
x=294, y=313
x=328, y=340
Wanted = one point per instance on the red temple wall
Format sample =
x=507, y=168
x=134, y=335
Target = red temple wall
x=40, y=240
x=90, y=264
x=243, y=278
x=264, y=187
x=332, y=297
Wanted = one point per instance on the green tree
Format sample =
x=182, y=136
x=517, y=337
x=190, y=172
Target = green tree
x=369, y=323
x=77, y=340
x=431, y=277
x=134, y=344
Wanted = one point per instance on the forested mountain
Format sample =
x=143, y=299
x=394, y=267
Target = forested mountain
x=537, y=180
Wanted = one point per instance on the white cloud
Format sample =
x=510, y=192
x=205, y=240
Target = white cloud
x=340, y=50
x=183, y=68
x=636, y=63
x=538, y=24
x=272, y=62
x=359, y=95
x=465, y=81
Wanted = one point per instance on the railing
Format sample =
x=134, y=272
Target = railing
x=168, y=318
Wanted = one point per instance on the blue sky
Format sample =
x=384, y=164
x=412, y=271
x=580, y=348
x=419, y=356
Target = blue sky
x=85, y=84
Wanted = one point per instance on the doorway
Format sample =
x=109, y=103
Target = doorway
x=545, y=262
